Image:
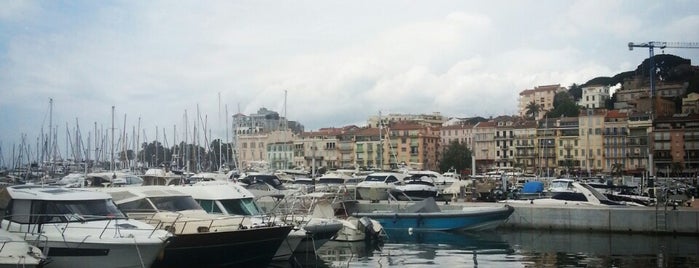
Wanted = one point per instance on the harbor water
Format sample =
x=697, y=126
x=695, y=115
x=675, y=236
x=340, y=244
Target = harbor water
x=510, y=248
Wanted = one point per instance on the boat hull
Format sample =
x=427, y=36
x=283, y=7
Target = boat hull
x=286, y=249
x=81, y=254
x=253, y=247
x=467, y=220
x=374, y=193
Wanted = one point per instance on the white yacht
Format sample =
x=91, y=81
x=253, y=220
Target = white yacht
x=200, y=239
x=79, y=228
x=377, y=186
x=416, y=187
x=334, y=181
x=224, y=198
x=570, y=193
x=15, y=252
x=438, y=178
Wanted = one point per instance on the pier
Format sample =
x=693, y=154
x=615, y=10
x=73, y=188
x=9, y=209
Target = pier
x=660, y=220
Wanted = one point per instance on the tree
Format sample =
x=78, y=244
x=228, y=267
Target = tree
x=563, y=105
x=532, y=110
x=456, y=155
x=575, y=91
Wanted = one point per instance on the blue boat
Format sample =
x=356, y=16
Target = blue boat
x=426, y=216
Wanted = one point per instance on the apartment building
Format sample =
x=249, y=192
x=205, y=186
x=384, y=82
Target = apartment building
x=591, y=123
x=525, y=146
x=675, y=145
x=318, y=149
x=504, y=142
x=413, y=145
x=541, y=95
x=594, y=96
x=546, y=147
x=254, y=147
x=690, y=104
x=367, y=148
x=435, y=119
x=484, y=145
x=640, y=127
x=568, y=146
x=615, y=142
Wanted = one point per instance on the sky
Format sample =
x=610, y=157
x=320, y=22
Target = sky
x=322, y=63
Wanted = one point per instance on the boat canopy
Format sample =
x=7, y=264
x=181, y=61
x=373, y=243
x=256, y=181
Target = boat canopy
x=533, y=187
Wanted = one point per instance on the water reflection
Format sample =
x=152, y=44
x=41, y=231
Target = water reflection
x=556, y=248
x=508, y=248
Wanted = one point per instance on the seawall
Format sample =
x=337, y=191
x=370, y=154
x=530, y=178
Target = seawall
x=683, y=220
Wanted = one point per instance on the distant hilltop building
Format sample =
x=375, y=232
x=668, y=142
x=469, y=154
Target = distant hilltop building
x=264, y=121
x=542, y=96
x=594, y=96
x=435, y=119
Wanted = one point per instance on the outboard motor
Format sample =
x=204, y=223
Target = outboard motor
x=369, y=232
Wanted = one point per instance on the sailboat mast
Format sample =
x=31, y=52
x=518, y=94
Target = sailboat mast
x=111, y=163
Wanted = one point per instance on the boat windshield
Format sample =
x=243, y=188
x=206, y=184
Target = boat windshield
x=331, y=181
x=243, y=206
x=81, y=210
x=175, y=203
x=560, y=185
x=375, y=178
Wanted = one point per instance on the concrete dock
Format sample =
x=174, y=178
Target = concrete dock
x=660, y=220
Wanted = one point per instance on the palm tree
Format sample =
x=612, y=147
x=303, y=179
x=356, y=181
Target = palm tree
x=532, y=110
x=617, y=169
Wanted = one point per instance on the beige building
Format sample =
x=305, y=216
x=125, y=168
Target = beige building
x=456, y=133
x=568, y=146
x=367, y=148
x=592, y=140
x=541, y=95
x=690, y=104
x=484, y=145
x=615, y=141
x=640, y=126
x=525, y=146
x=252, y=147
x=318, y=148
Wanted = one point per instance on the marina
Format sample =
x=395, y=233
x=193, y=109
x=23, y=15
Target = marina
x=520, y=248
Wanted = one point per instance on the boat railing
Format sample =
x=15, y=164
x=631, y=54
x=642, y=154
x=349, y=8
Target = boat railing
x=182, y=223
x=64, y=222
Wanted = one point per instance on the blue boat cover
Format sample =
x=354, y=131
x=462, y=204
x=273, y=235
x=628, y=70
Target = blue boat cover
x=533, y=187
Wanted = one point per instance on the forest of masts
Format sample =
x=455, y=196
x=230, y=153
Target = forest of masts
x=193, y=150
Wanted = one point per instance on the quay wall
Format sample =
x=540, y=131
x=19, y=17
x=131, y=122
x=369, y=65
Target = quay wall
x=580, y=218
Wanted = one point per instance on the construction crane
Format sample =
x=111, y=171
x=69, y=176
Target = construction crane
x=661, y=45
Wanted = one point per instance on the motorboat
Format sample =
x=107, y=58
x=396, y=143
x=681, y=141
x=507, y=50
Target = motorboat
x=416, y=187
x=336, y=180
x=333, y=206
x=377, y=186
x=451, y=174
x=264, y=184
x=225, y=198
x=16, y=252
x=79, y=228
x=159, y=176
x=208, y=176
x=569, y=192
x=438, y=178
x=99, y=179
x=200, y=239
x=426, y=215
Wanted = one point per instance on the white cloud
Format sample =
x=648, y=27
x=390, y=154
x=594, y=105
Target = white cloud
x=340, y=63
